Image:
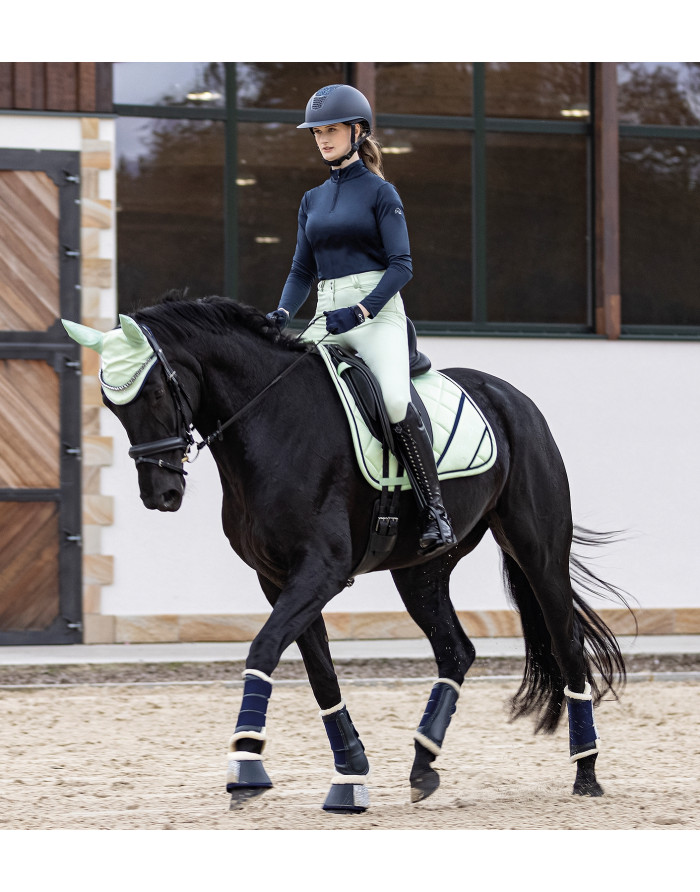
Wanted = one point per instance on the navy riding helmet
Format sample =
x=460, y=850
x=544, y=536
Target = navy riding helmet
x=339, y=104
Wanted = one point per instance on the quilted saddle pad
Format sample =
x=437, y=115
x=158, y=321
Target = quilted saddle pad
x=463, y=442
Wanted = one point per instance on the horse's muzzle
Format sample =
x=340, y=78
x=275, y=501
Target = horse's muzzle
x=170, y=500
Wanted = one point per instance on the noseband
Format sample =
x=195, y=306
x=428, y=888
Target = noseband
x=143, y=453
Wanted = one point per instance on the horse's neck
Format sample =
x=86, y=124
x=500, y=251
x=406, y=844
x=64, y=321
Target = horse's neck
x=252, y=372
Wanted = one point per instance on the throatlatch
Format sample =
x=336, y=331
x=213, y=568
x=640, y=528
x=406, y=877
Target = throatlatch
x=245, y=768
x=583, y=737
x=439, y=710
x=348, y=792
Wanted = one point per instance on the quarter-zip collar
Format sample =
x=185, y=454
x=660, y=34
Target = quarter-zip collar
x=351, y=172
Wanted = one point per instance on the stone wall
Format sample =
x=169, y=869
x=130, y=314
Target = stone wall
x=98, y=240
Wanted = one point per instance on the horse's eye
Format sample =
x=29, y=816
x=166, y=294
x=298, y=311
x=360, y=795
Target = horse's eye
x=159, y=394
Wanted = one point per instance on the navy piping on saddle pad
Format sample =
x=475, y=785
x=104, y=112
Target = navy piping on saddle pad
x=458, y=415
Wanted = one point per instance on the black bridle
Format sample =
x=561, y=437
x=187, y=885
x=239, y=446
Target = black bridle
x=143, y=452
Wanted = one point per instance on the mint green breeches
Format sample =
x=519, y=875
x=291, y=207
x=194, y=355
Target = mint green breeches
x=382, y=342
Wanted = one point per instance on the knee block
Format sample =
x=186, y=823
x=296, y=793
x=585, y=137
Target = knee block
x=441, y=706
x=583, y=737
x=348, y=751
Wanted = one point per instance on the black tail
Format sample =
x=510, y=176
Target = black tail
x=542, y=689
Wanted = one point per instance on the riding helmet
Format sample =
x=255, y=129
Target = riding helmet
x=337, y=104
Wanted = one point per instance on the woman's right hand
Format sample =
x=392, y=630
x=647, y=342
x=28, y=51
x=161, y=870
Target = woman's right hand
x=278, y=317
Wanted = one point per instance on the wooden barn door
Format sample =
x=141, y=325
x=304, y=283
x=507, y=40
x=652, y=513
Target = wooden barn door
x=40, y=497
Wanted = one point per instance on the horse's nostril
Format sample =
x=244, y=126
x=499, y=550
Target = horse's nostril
x=171, y=500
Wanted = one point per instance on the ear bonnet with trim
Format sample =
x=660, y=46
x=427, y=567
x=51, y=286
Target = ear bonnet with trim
x=127, y=357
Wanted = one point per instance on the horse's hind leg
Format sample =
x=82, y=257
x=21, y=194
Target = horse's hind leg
x=425, y=592
x=537, y=570
x=348, y=793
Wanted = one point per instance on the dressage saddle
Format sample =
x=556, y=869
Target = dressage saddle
x=367, y=393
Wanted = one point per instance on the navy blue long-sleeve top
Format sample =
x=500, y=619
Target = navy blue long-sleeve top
x=352, y=223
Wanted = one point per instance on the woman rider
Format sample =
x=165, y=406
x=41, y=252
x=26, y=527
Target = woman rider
x=352, y=237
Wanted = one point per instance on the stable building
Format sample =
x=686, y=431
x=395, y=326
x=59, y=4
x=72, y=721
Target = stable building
x=553, y=213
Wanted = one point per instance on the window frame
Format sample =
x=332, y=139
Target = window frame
x=601, y=131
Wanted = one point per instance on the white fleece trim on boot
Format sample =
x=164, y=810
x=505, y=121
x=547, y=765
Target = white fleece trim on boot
x=258, y=674
x=333, y=709
x=590, y=752
x=430, y=745
x=355, y=779
x=452, y=684
x=586, y=695
x=249, y=735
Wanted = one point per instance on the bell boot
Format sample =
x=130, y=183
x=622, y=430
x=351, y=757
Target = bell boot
x=415, y=451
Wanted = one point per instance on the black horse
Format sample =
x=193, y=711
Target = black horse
x=297, y=510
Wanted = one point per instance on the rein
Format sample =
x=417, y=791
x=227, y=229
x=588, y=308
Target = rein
x=143, y=452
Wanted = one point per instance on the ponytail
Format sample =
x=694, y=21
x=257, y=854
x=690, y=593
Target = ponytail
x=371, y=154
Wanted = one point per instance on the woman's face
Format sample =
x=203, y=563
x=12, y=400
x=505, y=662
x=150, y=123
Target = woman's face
x=333, y=140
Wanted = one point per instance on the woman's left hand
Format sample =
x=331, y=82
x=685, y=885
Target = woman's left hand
x=340, y=321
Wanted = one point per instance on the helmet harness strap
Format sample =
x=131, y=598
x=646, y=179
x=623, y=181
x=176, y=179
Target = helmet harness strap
x=354, y=146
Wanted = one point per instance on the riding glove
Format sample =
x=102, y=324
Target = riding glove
x=340, y=321
x=280, y=318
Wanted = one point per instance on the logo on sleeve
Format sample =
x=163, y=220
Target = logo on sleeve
x=398, y=211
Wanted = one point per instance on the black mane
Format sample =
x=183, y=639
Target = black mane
x=179, y=317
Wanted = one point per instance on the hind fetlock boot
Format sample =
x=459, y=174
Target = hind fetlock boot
x=415, y=451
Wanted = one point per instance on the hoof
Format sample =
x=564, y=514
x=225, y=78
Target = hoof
x=424, y=784
x=240, y=796
x=588, y=788
x=246, y=779
x=585, y=783
x=347, y=799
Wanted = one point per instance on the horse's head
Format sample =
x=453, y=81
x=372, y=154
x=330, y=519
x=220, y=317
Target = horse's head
x=147, y=396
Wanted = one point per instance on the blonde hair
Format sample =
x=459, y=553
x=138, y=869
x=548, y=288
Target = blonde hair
x=371, y=155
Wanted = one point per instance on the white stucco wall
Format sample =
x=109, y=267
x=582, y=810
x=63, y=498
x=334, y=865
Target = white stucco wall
x=624, y=415
x=45, y=132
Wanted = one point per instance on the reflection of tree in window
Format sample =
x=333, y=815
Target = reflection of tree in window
x=170, y=222
x=659, y=93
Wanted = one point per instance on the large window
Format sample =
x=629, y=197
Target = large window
x=659, y=108
x=496, y=164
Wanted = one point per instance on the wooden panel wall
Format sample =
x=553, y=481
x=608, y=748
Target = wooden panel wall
x=30, y=421
x=56, y=86
x=29, y=260
x=29, y=592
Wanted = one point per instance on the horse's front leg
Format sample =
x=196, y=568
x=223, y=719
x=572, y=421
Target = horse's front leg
x=348, y=793
x=295, y=609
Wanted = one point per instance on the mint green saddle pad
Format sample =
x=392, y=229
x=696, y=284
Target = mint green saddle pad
x=463, y=442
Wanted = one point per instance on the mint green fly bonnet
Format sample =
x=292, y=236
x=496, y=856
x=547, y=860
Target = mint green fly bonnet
x=127, y=357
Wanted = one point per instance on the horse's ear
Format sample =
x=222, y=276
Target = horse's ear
x=85, y=336
x=132, y=331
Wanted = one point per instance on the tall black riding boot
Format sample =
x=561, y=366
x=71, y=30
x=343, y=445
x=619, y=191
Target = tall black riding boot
x=415, y=452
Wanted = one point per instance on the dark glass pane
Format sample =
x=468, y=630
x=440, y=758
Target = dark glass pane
x=434, y=181
x=536, y=228
x=424, y=88
x=543, y=90
x=170, y=220
x=659, y=93
x=659, y=231
x=180, y=84
x=277, y=164
x=283, y=84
